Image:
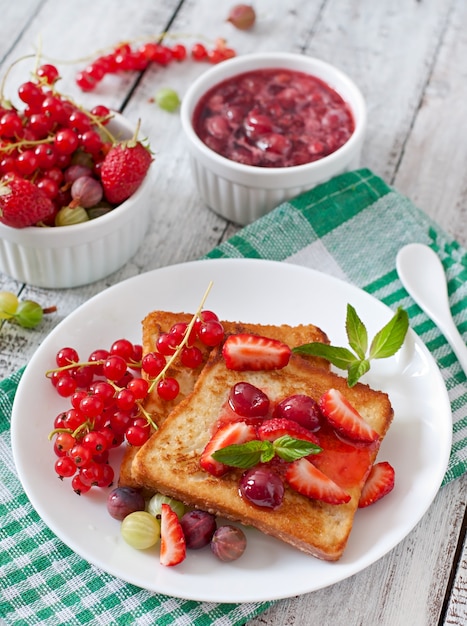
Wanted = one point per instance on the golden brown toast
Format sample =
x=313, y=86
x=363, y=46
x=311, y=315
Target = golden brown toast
x=158, y=322
x=170, y=461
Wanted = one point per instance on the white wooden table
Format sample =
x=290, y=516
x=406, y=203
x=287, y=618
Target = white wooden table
x=409, y=58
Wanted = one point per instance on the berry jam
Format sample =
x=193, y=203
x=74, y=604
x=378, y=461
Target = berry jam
x=273, y=118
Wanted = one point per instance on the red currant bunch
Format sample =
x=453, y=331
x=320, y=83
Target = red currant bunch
x=50, y=142
x=126, y=57
x=107, y=393
x=187, y=341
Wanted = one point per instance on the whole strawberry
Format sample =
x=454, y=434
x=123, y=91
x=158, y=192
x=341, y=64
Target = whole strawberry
x=22, y=203
x=124, y=169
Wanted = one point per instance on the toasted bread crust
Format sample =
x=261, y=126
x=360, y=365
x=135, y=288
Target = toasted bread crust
x=158, y=322
x=169, y=461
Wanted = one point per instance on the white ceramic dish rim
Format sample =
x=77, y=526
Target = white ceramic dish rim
x=77, y=234
x=418, y=442
x=279, y=176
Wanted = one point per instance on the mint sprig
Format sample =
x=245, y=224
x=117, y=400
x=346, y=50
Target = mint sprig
x=249, y=454
x=384, y=344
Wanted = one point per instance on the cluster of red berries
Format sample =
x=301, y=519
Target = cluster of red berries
x=40, y=140
x=107, y=394
x=40, y=143
x=124, y=58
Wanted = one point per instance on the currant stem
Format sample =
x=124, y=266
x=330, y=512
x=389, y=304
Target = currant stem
x=184, y=340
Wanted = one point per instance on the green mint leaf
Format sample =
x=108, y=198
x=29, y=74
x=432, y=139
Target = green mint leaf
x=356, y=332
x=244, y=455
x=291, y=449
x=356, y=371
x=340, y=357
x=391, y=337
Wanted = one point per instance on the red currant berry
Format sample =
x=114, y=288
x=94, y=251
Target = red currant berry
x=114, y=367
x=95, y=441
x=139, y=387
x=83, y=376
x=81, y=455
x=167, y=343
x=65, y=467
x=103, y=390
x=120, y=421
x=66, y=141
x=91, y=406
x=101, y=112
x=49, y=187
x=95, y=357
x=40, y=125
x=64, y=442
x=125, y=400
x=91, y=142
x=66, y=356
x=48, y=72
x=77, y=397
x=66, y=385
x=78, y=486
x=11, y=125
x=26, y=163
x=153, y=363
x=91, y=474
x=107, y=477
x=199, y=52
x=53, y=108
x=137, y=435
x=191, y=357
x=168, y=388
x=73, y=419
x=59, y=421
x=123, y=348
x=179, y=52
x=30, y=93
x=211, y=333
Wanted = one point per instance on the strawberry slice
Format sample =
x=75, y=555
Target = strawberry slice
x=253, y=352
x=344, y=418
x=379, y=483
x=276, y=427
x=173, y=546
x=226, y=435
x=308, y=480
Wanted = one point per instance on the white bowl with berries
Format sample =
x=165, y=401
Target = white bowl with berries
x=74, y=188
x=264, y=127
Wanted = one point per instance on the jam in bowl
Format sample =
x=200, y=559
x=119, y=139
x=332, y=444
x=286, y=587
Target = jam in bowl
x=273, y=118
x=262, y=128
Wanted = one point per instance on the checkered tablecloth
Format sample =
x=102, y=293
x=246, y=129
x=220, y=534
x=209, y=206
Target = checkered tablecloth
x=350, y=227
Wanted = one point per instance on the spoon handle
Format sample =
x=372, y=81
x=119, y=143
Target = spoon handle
x=422, y=274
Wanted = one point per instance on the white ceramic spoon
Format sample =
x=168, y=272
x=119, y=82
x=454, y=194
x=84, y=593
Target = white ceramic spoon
x=422, y=274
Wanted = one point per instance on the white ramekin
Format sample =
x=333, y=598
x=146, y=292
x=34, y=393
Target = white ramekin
x=69, y=256
x=242, y=193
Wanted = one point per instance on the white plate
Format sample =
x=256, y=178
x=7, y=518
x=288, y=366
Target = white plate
x=417, y=444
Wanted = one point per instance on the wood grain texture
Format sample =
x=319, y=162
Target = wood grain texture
x=408, y=57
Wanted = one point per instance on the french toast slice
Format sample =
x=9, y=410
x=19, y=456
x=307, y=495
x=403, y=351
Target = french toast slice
x=158, y=322
x=170, y=461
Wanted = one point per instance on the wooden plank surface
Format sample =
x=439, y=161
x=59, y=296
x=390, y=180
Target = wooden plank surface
x=408, y=57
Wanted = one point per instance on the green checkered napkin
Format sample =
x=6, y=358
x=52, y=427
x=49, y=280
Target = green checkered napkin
x=350, y=227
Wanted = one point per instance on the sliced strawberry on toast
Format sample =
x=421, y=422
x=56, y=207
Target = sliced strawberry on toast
x=379, y=483
x=227, y=435
x=253, y=352
x=344, y=418
x=308, y=480
x=173, y=545
x=276, y=427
